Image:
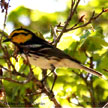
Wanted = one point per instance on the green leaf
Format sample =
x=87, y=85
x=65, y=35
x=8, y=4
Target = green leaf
x=100, y=82
x=85, y=35
x=93, y=43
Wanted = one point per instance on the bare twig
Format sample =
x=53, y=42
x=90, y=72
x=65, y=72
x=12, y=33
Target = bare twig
x=89, y=21
x=106, y=105
x=2, y=90
x=13, y=72
x=19, y=82
x=4, y=7
x=74, y=27
x=72, y=11
x=53, y=31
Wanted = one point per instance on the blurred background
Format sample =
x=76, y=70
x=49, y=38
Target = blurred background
x=39, y=15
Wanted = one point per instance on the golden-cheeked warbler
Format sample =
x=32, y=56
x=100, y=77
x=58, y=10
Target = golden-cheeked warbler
x=42, y=54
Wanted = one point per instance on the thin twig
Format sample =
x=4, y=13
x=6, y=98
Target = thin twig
x=53, y=31
x=74, y=27
x=89, y=21
x=6, y=12
x=13, y=72
x=72, y=11
x=43, y=87
x=19, y=82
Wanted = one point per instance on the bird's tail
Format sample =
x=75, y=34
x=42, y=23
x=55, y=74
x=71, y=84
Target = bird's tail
x=89, y=70
x=74, y=64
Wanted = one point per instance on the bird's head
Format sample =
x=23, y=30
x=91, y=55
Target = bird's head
x=20, y=36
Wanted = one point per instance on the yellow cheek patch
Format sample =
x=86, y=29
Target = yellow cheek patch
x=18, y=31
x=21, y=38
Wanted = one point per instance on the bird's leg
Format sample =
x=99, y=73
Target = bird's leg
x=43, y=81
x=45, y=75
x=55, y=77
x=54, y=73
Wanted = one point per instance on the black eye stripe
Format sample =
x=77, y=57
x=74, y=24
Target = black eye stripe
x=15, y=34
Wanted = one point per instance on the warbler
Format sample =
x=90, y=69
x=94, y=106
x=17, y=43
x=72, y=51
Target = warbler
x=43, y=54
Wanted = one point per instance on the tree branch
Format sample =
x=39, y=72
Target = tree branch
x=88, y=22
x=72, y=11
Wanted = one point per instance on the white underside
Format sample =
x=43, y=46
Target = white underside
x=44, y=63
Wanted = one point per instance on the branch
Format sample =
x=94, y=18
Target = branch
x=13, y=72
x=89, y=85
x=2, y=91
x=89, y=21
x=29, y=78
x=4, y=8
x=72, y=11
x=106, y=105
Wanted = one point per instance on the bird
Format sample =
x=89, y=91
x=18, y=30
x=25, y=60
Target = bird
x=42, y=53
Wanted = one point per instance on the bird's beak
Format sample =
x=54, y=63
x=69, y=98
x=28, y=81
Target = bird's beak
x=7, y=40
